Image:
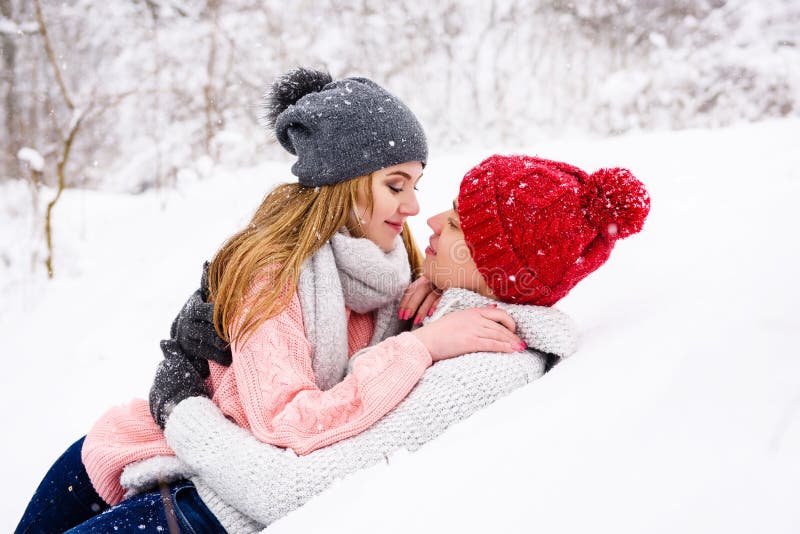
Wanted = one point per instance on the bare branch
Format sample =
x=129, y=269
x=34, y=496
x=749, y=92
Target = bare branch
x=75, y=124
x=51, y=56
x=209, y=93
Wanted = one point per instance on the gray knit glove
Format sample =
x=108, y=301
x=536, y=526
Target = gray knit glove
x=194, y=327
x=193, y=343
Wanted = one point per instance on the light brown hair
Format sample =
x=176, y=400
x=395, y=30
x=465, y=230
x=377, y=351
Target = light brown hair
x=290, y=225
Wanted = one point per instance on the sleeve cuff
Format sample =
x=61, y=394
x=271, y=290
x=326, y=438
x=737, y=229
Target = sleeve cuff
x=414, y=349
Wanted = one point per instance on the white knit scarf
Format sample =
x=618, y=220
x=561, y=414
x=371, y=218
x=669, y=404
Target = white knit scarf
x=356, y=273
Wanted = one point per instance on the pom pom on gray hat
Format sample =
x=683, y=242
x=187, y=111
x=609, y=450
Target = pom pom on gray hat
x=288, y=89
x=343, y=129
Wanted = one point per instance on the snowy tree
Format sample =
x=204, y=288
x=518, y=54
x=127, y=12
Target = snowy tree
x=476, y=72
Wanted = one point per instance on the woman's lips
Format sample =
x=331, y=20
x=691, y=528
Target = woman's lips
x=397, y=227
x=430, y=251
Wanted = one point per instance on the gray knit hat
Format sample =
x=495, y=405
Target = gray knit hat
x=341, y=129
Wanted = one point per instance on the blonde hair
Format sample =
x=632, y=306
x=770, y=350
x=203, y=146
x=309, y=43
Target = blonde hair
x=290, y=225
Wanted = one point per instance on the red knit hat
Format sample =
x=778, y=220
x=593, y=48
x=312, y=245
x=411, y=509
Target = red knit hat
x=537, y=227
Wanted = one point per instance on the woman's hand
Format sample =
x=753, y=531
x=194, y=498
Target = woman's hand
x=475, y=330
x=419, y=300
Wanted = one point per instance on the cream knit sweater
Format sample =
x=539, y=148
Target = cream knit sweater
x=248, y=484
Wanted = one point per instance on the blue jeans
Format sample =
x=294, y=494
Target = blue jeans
x=177, y=508
x=66, y=501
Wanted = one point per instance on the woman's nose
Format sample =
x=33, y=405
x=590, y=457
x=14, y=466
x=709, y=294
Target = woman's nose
x=410, y=206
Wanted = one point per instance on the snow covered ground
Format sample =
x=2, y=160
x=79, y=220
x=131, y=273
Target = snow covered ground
x=679, y=413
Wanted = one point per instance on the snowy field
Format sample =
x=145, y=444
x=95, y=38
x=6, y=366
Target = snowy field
x=679, y=413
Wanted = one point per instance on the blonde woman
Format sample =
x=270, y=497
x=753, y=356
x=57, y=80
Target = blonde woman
x=315, y=277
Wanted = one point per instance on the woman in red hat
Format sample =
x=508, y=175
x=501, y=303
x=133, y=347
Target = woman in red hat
x=523, y=231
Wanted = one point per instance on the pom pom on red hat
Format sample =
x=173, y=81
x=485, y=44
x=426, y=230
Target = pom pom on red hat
x=617, y=203
x=537, y=227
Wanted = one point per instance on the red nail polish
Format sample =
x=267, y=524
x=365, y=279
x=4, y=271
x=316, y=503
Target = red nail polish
x=430, y=312
x=417, y=320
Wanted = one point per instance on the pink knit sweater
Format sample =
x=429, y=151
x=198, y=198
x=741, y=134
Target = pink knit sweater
x=270, y=390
